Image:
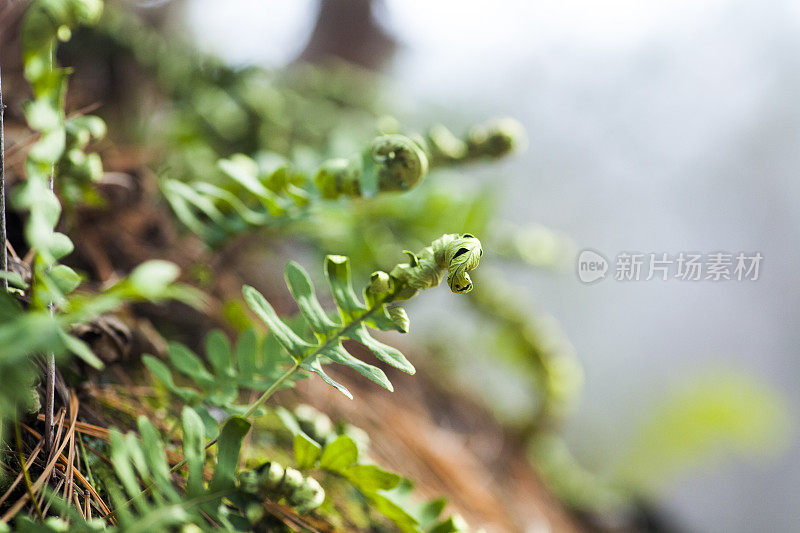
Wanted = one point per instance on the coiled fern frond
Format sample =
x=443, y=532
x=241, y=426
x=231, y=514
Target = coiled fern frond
x=489, y=140
x=257, y=193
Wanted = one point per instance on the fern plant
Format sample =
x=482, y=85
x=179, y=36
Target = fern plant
x=52, y=304
x=453, y=255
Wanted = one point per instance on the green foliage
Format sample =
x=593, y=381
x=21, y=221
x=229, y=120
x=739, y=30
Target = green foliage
x=238, y=152
x=254, y=364
x=46, y=22
x=25, y=333
x=144, y=478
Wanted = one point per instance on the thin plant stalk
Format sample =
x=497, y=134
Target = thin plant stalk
x=3, y=251
x=50, y=372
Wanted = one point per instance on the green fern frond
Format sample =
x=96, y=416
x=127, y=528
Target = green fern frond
x=256, y=193
x=451, y=255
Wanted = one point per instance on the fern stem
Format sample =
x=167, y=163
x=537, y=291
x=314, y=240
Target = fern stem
x=258, y=403
x=50, y=373
x=356, y=321
x=269, y=392
x=3, y=253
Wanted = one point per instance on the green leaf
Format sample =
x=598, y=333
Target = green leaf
x=229, y=445
x=244, y=170
x=248, y=215
x=14, y=279
x=315, y=366
x=385, y=353
x=149, y=279
x=193, y=450
x=218, y=352
x=41, y=115
x=338, y=455
x=453, y=524
x=80, y=348
x=66, y=279
x=391, y=510
x=60, y=245
x=303, y=292
x=306, y=451
x=173, y=192
x=293, y=344
x=121, y=459
x=338, y=354
x=204, y=204
x=431, y=510
x=369, y=478
x=187, y=362
x=163, y=374
x=153, y=449
x=49, y=148
x=337, y=270
x=246, y=350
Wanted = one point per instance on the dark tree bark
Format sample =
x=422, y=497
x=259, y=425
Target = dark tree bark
x=347, y=29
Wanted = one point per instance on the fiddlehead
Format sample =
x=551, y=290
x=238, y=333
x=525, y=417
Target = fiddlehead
x=391, y=163
x=489, y=140
x=452, y=254
x=273, y=481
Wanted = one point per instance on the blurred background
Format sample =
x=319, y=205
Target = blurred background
x=542, y=403
x=653, y=127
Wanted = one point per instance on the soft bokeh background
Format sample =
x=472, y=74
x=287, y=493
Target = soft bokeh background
x=654, y=127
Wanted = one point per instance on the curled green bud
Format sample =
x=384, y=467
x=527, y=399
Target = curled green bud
x=399, y=316
x=452, y=254
x=271, y=480
x=462, y=255
x=271, y=476
x=495, y=138
x=292, y=480
x=248, y=481
x=380, y=282
x=400, y=162
x=307, y=497
x=391, y=163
